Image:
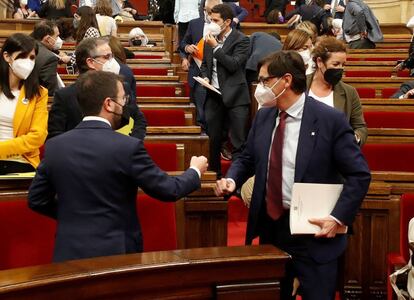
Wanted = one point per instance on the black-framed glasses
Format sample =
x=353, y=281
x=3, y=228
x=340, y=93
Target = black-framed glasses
x=126, y=99
x=265, y=80
x=108, y=56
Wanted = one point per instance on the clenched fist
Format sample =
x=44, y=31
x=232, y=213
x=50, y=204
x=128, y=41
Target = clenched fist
x=199, y=162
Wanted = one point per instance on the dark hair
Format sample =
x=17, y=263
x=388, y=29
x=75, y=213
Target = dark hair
x=225, y=11
x=88, y=19
x=43, y=29
x=283, y=62
x=273, y=17
x=117, y=48
x=66, y=28
x=85, y=50
x=93, y=87
x=25, y=44
x=326, y=46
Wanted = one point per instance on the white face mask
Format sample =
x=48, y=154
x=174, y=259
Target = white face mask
x=306, y=56
x=213, y=28
x=111, y=66
x=265, y=96
x=22, y=67
x=58, y=43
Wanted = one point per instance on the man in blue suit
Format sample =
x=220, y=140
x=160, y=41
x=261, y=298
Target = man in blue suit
x=89, y=177
x=318, y=146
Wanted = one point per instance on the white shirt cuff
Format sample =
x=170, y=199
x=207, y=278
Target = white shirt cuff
x=231, y=180
x=197, y=170
x=336, y=220
x=401, y=97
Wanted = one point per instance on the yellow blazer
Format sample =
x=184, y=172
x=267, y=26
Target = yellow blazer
x=29, y=128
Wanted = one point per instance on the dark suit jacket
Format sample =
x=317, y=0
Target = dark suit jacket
x=330, y=155
x=231, y=62
x=192, y=37
x=404, y=88
x=261, y=45
x=46, y=62
x=65, y=113
x=346, y=99
x=95, y=173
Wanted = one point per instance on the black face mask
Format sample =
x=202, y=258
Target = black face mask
x=124, y=118
x=333, y=76
x=136, y=42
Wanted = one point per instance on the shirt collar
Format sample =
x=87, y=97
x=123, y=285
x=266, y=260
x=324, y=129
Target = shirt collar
x=96, y=118
x=226, y=36
x=296, y=109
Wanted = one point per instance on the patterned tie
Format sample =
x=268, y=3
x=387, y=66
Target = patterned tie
x=274, y=179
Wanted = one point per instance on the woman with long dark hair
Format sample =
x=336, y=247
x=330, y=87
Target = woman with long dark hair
x=23, y=106
x=86, y=24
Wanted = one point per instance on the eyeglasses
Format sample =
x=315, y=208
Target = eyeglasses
x=126, y=100
x=265, y=80
x=108, y=56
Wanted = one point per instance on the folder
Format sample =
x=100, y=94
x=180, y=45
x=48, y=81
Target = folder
x=312, y=200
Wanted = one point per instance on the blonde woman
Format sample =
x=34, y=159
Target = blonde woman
x=106, y=24
x=301, y=42
x=55, y=9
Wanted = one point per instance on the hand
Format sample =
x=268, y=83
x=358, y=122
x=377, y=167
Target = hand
x=185, y=64
x=364, y=34
x=235, y=20
x=399, y=67
x=329, y=227
x=206, y=79
x=65, y=58
x=327, y=7
x=133, y=11
x=191, y=49
x=224, y=187
x=211, y=40
x=199, y=162
x=340, y=8
x=409, y=94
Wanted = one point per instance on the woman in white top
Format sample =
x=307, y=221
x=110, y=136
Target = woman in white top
x=106, y=24
x=325, y=84
x=23, y=106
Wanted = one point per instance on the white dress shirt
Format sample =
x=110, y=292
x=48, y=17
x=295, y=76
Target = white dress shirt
x=290, y=146
x=214, y=77
x=186, y=10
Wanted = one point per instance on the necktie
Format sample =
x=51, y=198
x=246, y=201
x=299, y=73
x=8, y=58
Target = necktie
x=274, y=178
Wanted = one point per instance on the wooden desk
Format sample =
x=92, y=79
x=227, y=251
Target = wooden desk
x=209, y=273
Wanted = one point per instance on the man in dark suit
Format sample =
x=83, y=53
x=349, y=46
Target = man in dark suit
x=93, y=54
x=225, y=56
x=46, y=33
x=89, y=177
x=406, y=91
x=188, y=48
x=295, y=138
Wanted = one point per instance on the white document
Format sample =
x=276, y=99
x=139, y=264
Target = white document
x=312, y=200
x=206, y=84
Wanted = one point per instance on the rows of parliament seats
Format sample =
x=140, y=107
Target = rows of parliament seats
x=164, y=100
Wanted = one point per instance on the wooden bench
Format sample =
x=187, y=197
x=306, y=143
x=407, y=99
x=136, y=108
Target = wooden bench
x=378, y=104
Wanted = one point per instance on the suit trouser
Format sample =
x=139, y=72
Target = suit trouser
x=317, y=280
x=217, y=115
x=198, y=96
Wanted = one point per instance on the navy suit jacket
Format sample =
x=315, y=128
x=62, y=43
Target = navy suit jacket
x=95, y=172
x=327, y=153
